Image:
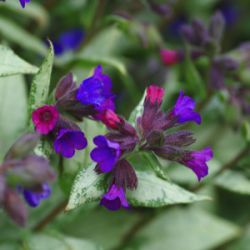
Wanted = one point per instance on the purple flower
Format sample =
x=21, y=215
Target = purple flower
x=68, y=140
x=68, y=41
x=105, y=154
x=96, y=90
x=23, y=2
x=196, y=160
x=183, y=110
x=114, y=199
x=33, y=198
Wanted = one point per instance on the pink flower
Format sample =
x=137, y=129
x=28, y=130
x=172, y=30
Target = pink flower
x=45, y=119
x=170, y=57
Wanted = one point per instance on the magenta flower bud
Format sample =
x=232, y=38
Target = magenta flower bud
x=106, y=154
x=115, y=198
x=45, y=119
x=196, y=161
x=24, y=2
x=155, y=94
x=15, y=207
x=171, y=57
x=112, y=120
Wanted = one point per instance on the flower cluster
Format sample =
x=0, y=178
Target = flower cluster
x=202, y=40
x=152, y=133
x=24, y=173
x=57, y=121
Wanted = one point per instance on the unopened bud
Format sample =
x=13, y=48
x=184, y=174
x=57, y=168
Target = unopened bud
x=156, y=138
x=217, y=26
x=30, y=171
x=2, y=188
x=23, y=146
x=161, y=9
x=15, y=207
x=65, y=85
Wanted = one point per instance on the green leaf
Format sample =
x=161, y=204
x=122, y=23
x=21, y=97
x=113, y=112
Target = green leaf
x=13, y=110
x=245, y=131
x=155, y=192
x=185, y=228
x=11, y=64
x=234, y=182
x=155, y=165
x=243, y=243
x=33, y=10
x=138, y=110
x=102, y=49
x=193, y=79
x=88, y=186
x=54, y=242
x=16, y=34
x=98, y=225
x=41, y=82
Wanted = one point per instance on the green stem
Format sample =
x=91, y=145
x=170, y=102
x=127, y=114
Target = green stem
x=50, y=217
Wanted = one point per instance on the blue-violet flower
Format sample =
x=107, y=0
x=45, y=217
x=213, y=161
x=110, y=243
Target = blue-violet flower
x=115, y=198
x=68, y=140
x=96, y=90
x=106, y=153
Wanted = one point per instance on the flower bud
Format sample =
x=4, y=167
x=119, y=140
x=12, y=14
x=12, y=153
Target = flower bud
x=23, y=146
x=171, y=57
x=2, y=188
x=161, y=9
x=15, y=207
x=112, y=120
x=216, y=27
x=156, y=138
x=30, y=171
x=65, y=86
x=124, y=175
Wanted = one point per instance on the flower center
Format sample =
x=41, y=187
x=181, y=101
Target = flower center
x=46, y=116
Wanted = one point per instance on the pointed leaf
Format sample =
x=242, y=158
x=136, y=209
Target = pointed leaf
x=155, y=165
x=155, y=192
x=11, y=64
x=41, y=82
x=137, y=112
x=13, y=110
x=234, y=182
x=88, y=186
x=18, y=35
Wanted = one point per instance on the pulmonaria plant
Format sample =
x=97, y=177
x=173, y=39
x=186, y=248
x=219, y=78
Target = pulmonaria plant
x=153, y=133
x=24, y=174
x=58, y=121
